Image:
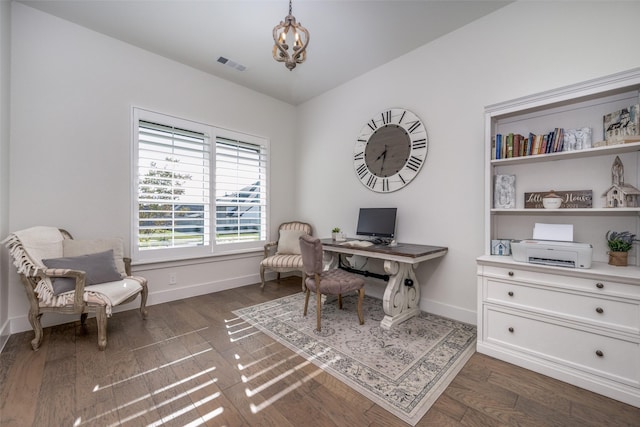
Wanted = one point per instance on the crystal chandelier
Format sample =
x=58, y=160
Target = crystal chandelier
x=290, y=30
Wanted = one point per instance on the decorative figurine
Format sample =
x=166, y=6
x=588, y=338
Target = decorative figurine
x=620, y=195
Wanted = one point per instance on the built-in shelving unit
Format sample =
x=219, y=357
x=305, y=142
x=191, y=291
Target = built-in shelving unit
x=578, y=325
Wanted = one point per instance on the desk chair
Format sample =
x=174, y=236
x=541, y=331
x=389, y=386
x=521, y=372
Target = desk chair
x=331, y=282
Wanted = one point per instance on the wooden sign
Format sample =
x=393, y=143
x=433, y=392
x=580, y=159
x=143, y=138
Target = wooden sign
x=570, y=199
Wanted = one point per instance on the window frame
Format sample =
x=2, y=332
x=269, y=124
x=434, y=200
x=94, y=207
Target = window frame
x=213, y=248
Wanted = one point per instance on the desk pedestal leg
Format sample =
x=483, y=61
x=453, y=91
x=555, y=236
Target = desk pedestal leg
x=400, y=302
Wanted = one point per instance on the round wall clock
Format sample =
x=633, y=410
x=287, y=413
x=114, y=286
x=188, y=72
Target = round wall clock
x=390, y=150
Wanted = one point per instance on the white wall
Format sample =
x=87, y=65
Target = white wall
x=5, y=57
x=72, y=93
x=524, y=48
x=67, y=81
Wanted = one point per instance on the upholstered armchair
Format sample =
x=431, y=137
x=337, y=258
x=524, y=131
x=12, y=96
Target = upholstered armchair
x=326, y=282
x=63, y=275
x=283, y=255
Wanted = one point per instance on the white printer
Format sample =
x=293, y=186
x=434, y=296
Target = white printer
x=551, y=252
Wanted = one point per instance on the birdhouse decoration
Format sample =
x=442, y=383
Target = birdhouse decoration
x=620, y=195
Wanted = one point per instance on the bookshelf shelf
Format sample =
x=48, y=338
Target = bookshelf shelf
x=568, y=155
x=572, y=211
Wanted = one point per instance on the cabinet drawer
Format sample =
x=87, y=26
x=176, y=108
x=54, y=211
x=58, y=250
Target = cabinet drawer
x=595, y=286
x=607, y=357
x=608, y=312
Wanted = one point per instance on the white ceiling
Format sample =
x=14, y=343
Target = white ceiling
x=347, y=38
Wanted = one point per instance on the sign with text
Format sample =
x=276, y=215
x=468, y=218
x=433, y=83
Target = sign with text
x=570, y=199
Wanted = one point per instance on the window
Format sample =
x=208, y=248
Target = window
x=198, y=190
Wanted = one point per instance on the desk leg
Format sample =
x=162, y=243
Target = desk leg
x=400, y=302
x=330, y=260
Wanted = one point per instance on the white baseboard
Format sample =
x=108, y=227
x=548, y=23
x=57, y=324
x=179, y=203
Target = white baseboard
x=4, y=334
x=449, y=311
x=21, y=323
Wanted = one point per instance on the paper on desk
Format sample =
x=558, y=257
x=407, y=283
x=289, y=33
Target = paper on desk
x=558, y=232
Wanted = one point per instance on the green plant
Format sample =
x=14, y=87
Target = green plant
x=620, y=241
x=335, y=230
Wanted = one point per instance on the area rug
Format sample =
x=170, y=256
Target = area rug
x=403, y=370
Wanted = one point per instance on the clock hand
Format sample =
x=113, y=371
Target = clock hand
x=384, y=157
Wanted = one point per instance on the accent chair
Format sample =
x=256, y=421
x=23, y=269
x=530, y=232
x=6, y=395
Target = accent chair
x=63, y=275
x=283, y=255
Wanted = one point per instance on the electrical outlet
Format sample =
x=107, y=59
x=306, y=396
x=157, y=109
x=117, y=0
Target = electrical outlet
x=173, y=279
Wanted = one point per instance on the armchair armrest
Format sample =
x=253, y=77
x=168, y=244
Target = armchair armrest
x=127, y=265
x=267, y=248
x=80, y=278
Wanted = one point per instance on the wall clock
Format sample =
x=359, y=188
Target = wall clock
x=390, y=150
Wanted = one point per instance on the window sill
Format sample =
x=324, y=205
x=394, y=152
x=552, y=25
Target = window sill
x=151, y=264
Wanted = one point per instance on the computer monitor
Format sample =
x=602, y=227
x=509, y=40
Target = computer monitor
x=377, y=222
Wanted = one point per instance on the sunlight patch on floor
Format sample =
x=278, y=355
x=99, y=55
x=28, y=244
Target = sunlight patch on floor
x=271, y=355
x=186, y=409
x=157, y=368
x=170, y=339
x=265, y=370
x=167, y=401
x=257, y=408
x=156, y=392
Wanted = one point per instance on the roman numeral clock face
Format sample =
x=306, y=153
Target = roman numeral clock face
x=390, y=150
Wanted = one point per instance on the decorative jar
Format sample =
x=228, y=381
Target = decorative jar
x=552, y=200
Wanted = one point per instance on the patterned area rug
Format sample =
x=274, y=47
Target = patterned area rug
x=403, y=370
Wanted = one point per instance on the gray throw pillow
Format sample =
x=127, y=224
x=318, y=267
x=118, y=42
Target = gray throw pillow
x=99, y=268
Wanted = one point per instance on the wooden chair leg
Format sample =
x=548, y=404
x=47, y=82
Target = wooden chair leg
x=143, y=301
x=101, y=320
x=262, y=277
x=306, y=301
x=340, y=301
x=360, y=299
x=319, y=305
x=34, y=319
x=83, y=318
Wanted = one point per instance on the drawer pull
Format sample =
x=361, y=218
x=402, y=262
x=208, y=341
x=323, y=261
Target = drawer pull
x=511, y=273
x=599, y=285
x=510, y=293
x=511, y=330
x=599, y=310
x=599, y=353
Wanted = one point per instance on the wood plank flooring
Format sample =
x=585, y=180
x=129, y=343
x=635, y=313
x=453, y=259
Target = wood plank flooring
x=193, y=363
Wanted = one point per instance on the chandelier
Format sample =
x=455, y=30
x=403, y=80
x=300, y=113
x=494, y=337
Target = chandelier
x=290, y=30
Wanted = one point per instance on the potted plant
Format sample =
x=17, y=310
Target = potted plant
x=335, y=234
x=620, y=243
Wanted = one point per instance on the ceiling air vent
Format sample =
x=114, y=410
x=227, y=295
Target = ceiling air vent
x=230, y=63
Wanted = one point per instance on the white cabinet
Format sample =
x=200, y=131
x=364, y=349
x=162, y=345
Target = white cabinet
x=580, y=328
x=578, y=325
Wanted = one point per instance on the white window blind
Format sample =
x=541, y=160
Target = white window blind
x=173, y=189
x=199, y=190
x=240, y=191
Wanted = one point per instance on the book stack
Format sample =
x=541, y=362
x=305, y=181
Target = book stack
x=516, y=145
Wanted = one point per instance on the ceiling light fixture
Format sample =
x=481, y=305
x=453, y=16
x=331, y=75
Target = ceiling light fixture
x=290, y=29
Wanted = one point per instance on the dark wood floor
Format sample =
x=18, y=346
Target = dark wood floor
x=193, y=363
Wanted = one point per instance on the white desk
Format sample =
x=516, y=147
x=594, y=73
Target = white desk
x=401, y=298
